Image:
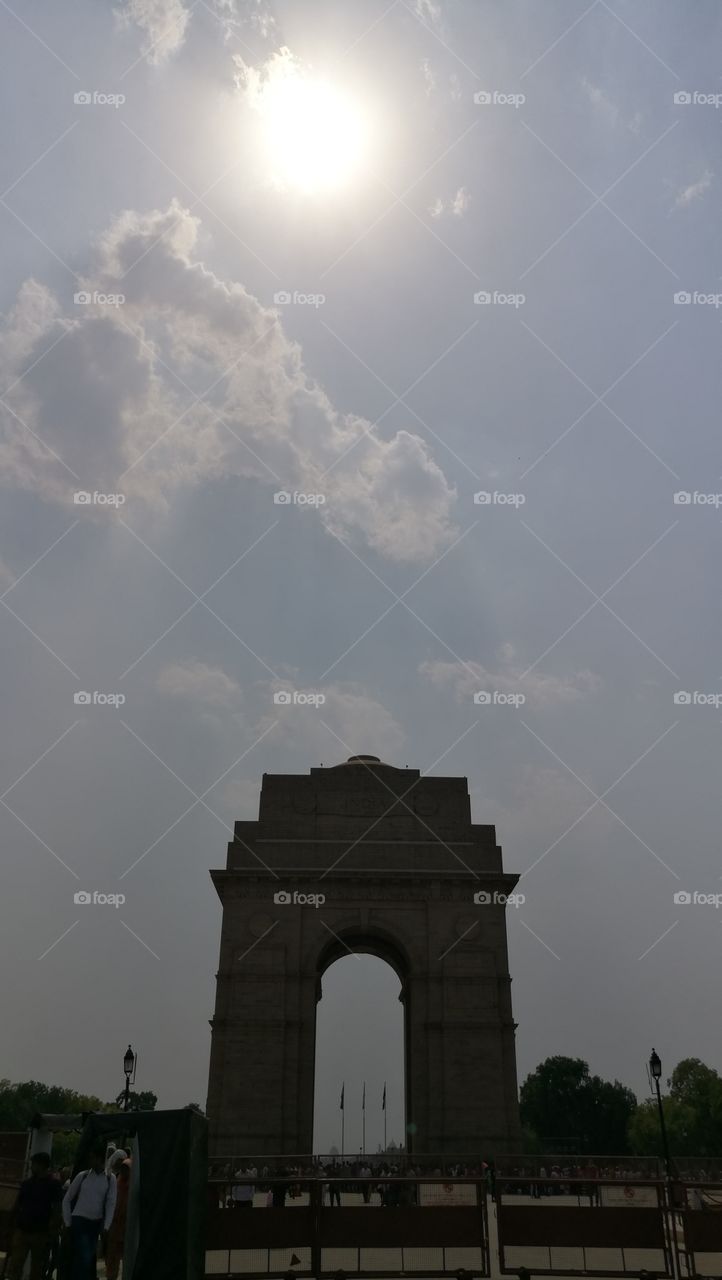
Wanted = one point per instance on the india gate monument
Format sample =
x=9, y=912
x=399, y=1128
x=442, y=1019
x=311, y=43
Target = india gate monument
x=405, y=875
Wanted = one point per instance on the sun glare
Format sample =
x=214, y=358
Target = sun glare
x=315, y=136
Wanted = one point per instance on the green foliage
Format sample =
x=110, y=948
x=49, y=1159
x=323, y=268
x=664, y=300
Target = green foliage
x=144, y=1100
x=20, y=1102
x=530, y=1144
x=692, y=1114
x=65, y=1146
x=561, y=1100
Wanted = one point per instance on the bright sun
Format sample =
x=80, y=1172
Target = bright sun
x=315, y=136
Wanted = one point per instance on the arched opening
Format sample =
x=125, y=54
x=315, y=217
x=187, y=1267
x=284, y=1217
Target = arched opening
x=360, y=1038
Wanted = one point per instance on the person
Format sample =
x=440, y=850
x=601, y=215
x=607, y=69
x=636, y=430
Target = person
x=279, y=1190
x=88, y=1208
x=365, y=1173
x=36, y=1220
x=334, y=1189
x=120, y=1165
x=242, y=1192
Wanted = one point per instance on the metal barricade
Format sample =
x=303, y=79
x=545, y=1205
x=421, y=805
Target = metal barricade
x=697, y=1228
x=320, y=1225
x=583, y=1226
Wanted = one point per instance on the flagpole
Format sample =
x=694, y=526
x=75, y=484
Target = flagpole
x=384, y=1109
x=363, y=1113
x=343, y=1119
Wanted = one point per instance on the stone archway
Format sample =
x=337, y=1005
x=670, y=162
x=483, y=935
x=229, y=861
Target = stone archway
x=369, y=856
x=354, y=942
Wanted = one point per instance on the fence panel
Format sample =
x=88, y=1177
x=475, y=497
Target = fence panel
x=578, y=1228
x=372, y=1227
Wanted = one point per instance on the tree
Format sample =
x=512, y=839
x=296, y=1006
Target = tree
x=692, y=1114
x=699, y=1089
x=560, y=1100
x=20, y=1102
x=145, y=1100
x=645, y=1134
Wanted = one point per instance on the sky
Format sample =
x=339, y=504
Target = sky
x=445, y=278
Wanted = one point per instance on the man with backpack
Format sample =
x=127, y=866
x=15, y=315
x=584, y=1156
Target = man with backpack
x=88, y=1208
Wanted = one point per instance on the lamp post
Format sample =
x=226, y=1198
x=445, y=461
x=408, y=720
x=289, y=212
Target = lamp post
x=129, y=1064
x=655, y=1070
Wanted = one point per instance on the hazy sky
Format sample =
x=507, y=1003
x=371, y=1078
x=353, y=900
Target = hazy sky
x=334, y=152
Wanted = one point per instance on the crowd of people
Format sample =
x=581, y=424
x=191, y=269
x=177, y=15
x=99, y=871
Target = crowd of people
x=62, y=1223
x=241, y=1185
x=567, y=1179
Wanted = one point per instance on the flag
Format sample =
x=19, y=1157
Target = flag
x=340, y=1105
x=383, y=1100
x=363, y=1102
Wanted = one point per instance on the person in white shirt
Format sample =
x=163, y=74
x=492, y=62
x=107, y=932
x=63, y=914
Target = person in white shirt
x=88, y=1208
x=243, y=1192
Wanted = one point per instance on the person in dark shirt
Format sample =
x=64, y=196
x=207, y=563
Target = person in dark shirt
x=36, y=1220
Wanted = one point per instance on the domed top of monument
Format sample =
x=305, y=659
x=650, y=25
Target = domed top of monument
x=359, y=760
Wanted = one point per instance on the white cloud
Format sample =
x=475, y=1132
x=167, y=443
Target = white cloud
x=162, y=22
x=428, y=11
x=695, y=191
x=104, y=402
x=431, y=82
x=211, y=697
x=429, y=76
x=349, y=721
x=258, y=83
x=608, y=110
x=461, y=203
x=541, y=690
x=458, y=205
x=200, y=683
x=235, y=14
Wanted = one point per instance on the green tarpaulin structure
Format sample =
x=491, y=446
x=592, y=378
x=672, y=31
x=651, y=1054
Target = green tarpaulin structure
x=165, y=1239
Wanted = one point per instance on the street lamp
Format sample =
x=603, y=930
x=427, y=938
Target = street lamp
x=129, y=1064
x=655, y=1070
